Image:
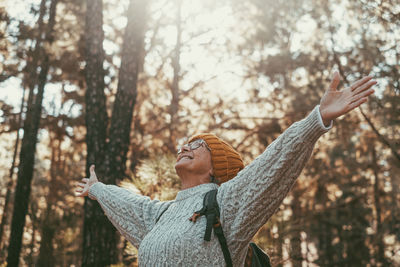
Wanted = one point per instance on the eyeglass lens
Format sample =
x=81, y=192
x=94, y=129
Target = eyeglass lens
x=193, y=145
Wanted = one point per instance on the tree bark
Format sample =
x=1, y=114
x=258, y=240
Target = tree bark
x=10, y=184
x=100, y=238
x=31, y=68
x=27, y=154
x=46, y=257
x=95, y=250
x=127, y=90
x=31, y=213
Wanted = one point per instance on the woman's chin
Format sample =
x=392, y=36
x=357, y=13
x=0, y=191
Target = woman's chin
x=182, y=164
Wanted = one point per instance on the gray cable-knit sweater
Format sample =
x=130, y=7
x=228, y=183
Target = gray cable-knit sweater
x=246, y=202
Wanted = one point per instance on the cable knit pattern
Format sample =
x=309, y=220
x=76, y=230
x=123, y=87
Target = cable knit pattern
x=133, y=215
x=246, y=202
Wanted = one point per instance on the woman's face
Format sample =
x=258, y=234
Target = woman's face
x=194, y=160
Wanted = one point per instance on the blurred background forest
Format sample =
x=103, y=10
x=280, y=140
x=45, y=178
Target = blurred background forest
x=122, y=83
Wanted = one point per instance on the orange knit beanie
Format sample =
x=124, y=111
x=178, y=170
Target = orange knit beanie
x=226, y=161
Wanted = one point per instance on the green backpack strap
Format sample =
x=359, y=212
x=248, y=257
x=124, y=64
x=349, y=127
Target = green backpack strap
x=211, y=211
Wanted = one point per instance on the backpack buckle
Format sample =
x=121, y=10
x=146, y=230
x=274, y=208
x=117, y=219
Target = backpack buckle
x=197, y=214
x=194, y=217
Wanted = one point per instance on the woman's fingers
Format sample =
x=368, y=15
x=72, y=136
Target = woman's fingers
x=366, y=93
x=83, y=187
x=335, y=81
x=92, y=170
x=80, y=189
x=360, y=82
x=81, y=184
x=364, y=87
x=358, y=102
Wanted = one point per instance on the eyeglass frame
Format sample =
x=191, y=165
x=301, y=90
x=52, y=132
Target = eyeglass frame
x=197, y=143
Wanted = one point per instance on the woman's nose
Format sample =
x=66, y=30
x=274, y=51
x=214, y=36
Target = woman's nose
x=185, y=148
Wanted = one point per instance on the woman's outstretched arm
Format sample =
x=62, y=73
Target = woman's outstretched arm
x=248, y=200
x=132, y=214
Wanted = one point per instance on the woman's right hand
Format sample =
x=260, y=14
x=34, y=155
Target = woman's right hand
x=82, y=189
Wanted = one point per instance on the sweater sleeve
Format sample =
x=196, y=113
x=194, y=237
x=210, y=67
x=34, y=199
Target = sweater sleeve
x=250, y=199
x=132, y=214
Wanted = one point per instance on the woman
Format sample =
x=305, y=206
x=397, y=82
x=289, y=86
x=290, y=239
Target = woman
x=247, y=197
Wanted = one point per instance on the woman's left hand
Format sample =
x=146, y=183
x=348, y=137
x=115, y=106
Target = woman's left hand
x=82, y=189
x=336, y=103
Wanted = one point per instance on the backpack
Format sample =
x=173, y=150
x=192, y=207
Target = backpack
x=255, y=257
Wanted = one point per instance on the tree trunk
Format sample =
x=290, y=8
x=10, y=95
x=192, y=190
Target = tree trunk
x=127, y=90
x=95, y=251
x=10, y=184
x=27, y=154
x=31, y=68
x=100, y=238
x=30, y=260
x=46, y=257
x=30, y=81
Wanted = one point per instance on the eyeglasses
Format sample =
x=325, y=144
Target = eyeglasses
x=194, y=145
